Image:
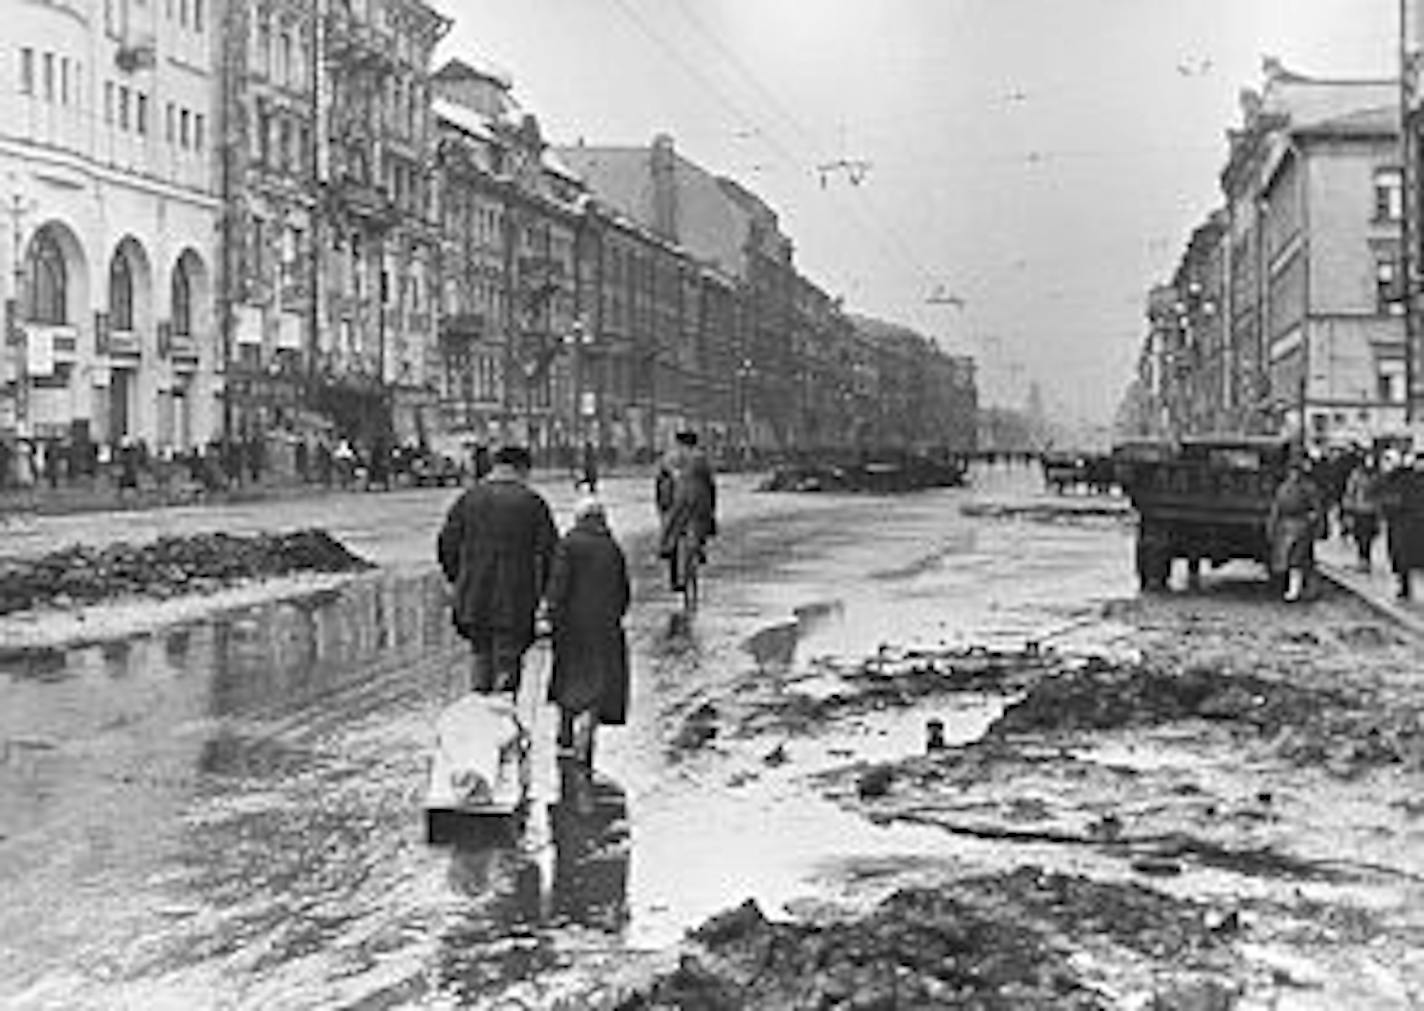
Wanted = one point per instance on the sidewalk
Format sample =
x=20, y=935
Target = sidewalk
x=1337, y=562
x=103, y=495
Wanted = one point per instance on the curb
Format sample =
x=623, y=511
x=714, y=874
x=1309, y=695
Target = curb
x=1407, y=619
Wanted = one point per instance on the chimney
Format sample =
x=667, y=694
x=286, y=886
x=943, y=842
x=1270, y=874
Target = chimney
x=664, y=171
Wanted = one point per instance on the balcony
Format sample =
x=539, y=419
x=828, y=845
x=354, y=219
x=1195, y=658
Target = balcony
x=362, y=201
x=352, y=40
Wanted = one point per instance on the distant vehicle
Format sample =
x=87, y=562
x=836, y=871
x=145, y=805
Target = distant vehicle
x=1065, y=471
x=432, y=469
x=1202, y=499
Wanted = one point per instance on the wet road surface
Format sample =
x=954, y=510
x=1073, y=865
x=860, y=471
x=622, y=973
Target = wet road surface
x=227, y=813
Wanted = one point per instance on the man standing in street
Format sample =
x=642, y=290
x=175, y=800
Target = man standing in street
x=1401, y=500
x=496, y=549
x=686, y=494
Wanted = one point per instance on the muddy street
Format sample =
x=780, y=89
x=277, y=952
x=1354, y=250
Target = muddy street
x=1205, y=796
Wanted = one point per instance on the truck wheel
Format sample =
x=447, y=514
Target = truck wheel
x=1154, y=560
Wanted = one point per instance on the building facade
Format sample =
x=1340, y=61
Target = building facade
x=1285, y=312
x=106, y=155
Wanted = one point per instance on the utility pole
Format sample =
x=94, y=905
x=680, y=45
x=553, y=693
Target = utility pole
x=1409, y=207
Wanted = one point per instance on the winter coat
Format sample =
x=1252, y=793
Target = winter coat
x=495, y=549
x=1360, y=492
x=588, y=596
x=686, y=493
x=1401, y=498
x=1297, y=511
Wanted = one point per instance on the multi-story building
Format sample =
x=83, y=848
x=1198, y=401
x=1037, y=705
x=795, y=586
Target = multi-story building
x=106, y=156
x=509, y=270
x=1285, y=313
x=267, y=118
x=717, y=224
x=376, y=353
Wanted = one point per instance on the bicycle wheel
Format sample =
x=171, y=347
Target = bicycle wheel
x=688, y=566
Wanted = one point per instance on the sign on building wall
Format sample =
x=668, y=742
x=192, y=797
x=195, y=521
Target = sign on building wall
x=39, y=353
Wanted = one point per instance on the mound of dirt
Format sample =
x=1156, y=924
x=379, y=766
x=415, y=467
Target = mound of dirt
x=166, y=567
x=996, y=941
x=1107, y=697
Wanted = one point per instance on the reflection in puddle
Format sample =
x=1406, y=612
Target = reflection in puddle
x=567, y=869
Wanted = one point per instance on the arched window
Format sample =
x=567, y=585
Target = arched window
x=48, y=280
x=182, y=298
x=120, y=293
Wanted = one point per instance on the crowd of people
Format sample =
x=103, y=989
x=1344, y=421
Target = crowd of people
x=1357, y=494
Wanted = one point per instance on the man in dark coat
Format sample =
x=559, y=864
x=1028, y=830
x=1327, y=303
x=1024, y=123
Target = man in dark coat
x=588, y=596
x=1401, y=500
x=495, y=549
x=686, y=494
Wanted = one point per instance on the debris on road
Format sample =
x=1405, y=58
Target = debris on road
x=1001, y=940
x=167, y=567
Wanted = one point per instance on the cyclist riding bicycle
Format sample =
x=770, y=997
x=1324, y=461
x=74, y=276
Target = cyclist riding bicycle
x=686, y=493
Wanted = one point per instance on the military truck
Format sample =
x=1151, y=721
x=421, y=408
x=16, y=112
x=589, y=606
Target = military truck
x=1201, y=499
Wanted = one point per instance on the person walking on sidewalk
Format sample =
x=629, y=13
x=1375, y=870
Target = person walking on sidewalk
x=1359, y=508
x=1294, y=522
x=588, y=596
x=1401, y=499
x=496, y=549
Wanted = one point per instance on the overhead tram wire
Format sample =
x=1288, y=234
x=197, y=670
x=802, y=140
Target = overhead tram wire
x=885, y=230
x=888, y=240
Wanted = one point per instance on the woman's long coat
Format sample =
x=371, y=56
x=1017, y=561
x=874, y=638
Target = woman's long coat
x=1401, y=498
x=588, y=596
x=1294, y=522
x=495, y=549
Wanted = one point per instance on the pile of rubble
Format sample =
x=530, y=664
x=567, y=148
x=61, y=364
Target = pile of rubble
x=902, y=473
x=999, y=940
x=169, y=566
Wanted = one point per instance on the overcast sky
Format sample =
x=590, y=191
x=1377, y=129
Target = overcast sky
x=1044, y=160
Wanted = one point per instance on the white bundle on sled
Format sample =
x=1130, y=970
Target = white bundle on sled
x=481, y=763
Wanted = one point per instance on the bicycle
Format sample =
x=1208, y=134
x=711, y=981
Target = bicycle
x=686, y=563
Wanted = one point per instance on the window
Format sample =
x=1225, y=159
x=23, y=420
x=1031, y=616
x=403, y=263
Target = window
x=141, y=112
x=259, y=242
x=198, y=131
x=108, y=101
x=47, y=280
x=182, y=12
x=184, y=119
x=49, y=77
x=27, y=71
x=1389, y=194
x=264, y=49
x=123, y=107
x=197, y=15
x=284, y=67
x=1390, y=381
x=120, y=293
x=284, y=144
x=168, y=120
x=64, y=80
x=182, y=298
x=1388, y=297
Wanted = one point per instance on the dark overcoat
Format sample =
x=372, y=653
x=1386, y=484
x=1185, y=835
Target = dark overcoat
x=496, y=549
x=686, y=493
x=588, y=596
x=1401, y=499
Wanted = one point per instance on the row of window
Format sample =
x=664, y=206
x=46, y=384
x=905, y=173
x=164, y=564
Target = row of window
x=188, y=13
x=51, y=76
x=129, y=109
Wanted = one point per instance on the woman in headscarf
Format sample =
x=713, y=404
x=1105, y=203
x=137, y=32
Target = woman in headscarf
x=1294, y=522
x=588, y=596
